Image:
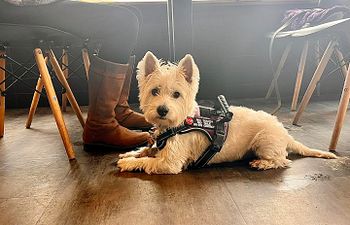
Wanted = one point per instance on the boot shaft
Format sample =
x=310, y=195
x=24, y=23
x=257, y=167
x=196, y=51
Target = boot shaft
x=124, y=114
x=124, y=97
x=105, y=87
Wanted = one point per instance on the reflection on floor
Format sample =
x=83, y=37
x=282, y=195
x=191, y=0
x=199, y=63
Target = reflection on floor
x=39, y=186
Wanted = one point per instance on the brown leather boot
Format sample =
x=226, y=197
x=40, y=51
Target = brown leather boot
x=124, y=114
x=105, y=86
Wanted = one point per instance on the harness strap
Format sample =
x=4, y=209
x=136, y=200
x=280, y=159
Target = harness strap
x=221, y=130
x=162, y=138
x=201, y=124
x=206, y=156
x=215, y=128
x=215, y=132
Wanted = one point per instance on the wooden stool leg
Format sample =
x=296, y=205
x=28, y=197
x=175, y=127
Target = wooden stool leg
x=278, y=70
x=313, y=83
x=62, y=79
x=299, y=77
x=35, y=100
x=343, y=106
x=340, y=58
x=86, y=61
x=2, y=98
x=51, y=95
x=65, y=73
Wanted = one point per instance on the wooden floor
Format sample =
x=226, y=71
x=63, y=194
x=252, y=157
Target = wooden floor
x=39, y=186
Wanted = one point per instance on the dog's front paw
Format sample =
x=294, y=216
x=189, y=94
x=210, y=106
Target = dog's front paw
x=129, y=154
x=127, y=164
x=329, y=155
x=141, y=152
x=264, y=164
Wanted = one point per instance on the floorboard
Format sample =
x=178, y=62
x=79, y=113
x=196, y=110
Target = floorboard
x=40, y=186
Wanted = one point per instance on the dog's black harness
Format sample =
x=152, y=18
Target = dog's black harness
x=213, y=123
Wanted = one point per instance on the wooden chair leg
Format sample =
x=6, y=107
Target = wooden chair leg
x=278, y=70
x=318, y=59
x=2, y=98
x=35, y=100
x=86, y=61
x=62, y=79
x=51, y=95
x=65, y=73
x=315, y=79
x=299, y=77
x=340, y=58
x=343, y=106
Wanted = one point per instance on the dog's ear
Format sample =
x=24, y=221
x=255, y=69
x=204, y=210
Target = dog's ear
x=148, y=64
x=188, y=68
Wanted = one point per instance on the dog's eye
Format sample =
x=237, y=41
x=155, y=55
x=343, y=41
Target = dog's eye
x=176, y=94
x=155, y=91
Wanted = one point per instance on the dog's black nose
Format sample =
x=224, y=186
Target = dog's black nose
x=162, y=110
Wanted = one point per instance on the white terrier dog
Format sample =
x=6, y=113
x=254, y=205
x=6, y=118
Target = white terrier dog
x=167, y=96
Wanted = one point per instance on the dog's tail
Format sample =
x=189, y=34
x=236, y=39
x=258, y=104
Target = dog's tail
x=303, y=150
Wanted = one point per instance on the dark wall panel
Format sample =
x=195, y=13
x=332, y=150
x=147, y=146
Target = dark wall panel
x=230, y=46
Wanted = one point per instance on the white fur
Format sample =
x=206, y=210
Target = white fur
x=249, y=129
